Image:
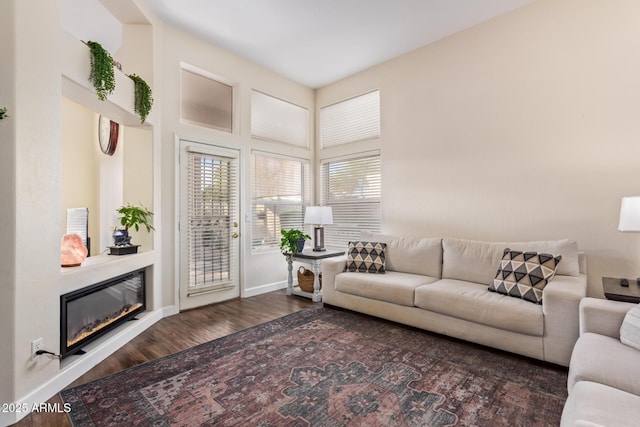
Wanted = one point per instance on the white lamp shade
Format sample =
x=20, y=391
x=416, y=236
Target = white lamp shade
x=630, y=214
x=320, y=215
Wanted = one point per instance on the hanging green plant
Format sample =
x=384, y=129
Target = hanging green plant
x=3, y=113
x=102, y=75
x=143, y=97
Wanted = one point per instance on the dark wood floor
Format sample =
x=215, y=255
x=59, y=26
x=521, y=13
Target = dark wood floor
x=179, y=332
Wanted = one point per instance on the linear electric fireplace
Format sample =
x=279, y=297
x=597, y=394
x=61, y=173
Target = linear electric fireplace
x=90, y=312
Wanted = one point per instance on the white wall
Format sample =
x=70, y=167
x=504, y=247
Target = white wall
x=137, y=147
x=522, y=128
x=89, y=20
x=8, y=195
x=37, y=123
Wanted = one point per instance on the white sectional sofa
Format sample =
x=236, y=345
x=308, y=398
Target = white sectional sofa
x=441, y=285
x=604, y=374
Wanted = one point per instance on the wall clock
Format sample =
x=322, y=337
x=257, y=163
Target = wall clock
x=108, y=135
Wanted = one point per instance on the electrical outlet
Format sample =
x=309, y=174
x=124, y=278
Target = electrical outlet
x=36, y=345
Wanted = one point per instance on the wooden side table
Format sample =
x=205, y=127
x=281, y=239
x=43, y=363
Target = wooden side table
x=315, y=260
x=614, y=291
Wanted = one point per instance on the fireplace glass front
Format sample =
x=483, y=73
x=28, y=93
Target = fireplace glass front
x=90, y=312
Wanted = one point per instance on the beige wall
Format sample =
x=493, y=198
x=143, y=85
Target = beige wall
x=80, y=166
x=525, y=127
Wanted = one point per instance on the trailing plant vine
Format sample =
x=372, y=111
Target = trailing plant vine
x=3, y=113
x=143, y=97
x=102, y=75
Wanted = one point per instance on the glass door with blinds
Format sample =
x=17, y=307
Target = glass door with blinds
x=208, y=224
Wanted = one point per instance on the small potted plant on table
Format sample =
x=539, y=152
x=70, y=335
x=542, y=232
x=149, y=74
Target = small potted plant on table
x=132, y=217
x=292, y=242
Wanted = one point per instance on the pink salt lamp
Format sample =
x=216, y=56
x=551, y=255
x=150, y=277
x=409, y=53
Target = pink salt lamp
x=72, y=251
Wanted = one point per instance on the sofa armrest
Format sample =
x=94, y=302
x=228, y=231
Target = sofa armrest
x=331, y=267
x=602, y=316
x=561, y=308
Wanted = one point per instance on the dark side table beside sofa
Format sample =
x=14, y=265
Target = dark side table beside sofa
x=626, y=290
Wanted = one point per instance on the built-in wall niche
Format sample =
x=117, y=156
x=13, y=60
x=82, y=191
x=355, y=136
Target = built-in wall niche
x=100, y=182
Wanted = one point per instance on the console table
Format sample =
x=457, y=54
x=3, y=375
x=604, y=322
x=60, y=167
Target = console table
x=315, y=260
x=614, y=291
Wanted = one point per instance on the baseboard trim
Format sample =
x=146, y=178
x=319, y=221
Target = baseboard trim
x=71, y=369
x=258, y=290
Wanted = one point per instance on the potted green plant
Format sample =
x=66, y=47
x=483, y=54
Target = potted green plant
x=292, y=242
x=3, y=113
x=102, y=75
x=143, y=97
x=131, y=217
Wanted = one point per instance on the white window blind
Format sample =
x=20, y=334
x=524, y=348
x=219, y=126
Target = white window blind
x=352, y=187
x=352, y=120
x=276, y=120
x=212, y=209
x=279, y=194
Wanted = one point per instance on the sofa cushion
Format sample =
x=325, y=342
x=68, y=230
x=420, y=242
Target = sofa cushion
x=393, y=286
x=366, y=257
x=630, y=329
x=604, y=360
x=410, y=255
x=473, y=302
x=592, y=404
x=476, y=261
x=524, y=274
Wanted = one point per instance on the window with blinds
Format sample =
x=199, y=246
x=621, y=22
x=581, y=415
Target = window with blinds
x=352, y=187
x=205, y=101
x=211, y=212
x=276, y=120
x=279, y=193
x=354, y=119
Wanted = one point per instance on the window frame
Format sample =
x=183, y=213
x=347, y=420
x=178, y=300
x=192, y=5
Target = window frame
x=351, y=208
x=272, y=243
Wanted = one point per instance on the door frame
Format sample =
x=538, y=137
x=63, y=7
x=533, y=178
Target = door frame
x=213, y=144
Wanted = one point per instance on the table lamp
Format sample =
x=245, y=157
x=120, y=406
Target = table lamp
x=629, y=214
x=629, y=221
x=318, y=216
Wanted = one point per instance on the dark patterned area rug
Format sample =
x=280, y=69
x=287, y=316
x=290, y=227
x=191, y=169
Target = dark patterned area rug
x=326, y=367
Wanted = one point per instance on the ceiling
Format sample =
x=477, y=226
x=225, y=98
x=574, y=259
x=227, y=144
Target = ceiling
x=317, y=42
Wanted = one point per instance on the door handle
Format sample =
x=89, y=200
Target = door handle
x=235, y=224
x=235, y=235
